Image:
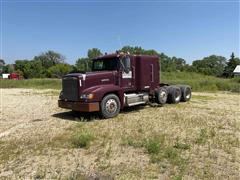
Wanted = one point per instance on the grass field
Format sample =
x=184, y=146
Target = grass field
x=201, y=82
x=197, y=81
x=194, y=140
x=32, y=83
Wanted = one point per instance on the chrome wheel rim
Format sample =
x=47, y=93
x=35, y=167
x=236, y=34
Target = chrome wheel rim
x=188, y=94
x=178, y=96
x=163, y=95
x=111, y=106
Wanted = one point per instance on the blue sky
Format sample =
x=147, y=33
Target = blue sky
x=187, y=29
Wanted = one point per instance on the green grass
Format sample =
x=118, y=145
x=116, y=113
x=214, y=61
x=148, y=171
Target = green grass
x=32, y=83
x=203, y=136
x=160, y=151
x=154, y=144
x=8, y=151
x=82, y=139
x=131, y=142
x=181, y=146
x=200, y=82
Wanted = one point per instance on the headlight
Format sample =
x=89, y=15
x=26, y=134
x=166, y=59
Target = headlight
x=86, y=96
x=83, y=96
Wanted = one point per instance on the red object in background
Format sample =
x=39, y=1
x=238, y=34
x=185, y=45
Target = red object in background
x=14, y=76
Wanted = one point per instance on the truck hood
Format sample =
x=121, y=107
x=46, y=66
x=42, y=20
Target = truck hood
x=96, y=78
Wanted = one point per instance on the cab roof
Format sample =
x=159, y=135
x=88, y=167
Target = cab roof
x=106, y=56
x=117, y=55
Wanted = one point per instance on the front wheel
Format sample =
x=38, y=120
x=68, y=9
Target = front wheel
x=110, y=106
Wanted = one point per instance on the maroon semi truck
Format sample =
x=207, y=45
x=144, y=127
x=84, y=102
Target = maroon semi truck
x=116, y=81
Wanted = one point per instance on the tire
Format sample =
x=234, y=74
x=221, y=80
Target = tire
x=110, y=106
x=161, y=95
x=174, y=94
x=186, y=93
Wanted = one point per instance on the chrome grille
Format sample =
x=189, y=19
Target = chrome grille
x=70, y=88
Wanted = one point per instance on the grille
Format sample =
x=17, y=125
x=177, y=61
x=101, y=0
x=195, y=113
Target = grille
x=70, y=88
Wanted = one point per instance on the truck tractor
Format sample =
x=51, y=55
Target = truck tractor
x=117, y=81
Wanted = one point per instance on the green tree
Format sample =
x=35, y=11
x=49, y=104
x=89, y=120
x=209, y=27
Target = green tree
x=94, y=52
x=132, y=50
x=30, y=69
x=19, y=64
x=179, y=63
x=231, y=65
x=167, y=64
x=50, y=58
x=151, y=52
x=83, y=64
x=9, y=68
x=2, y=63
x=59, y=70
x=23, y=66
x=211, y=65
x=33, y=69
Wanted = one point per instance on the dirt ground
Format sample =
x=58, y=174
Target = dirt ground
x=195, y=140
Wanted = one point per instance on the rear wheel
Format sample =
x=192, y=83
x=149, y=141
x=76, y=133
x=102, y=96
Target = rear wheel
x=161, y=95
x=174, y=94
x=110, y=106
x=186, y=93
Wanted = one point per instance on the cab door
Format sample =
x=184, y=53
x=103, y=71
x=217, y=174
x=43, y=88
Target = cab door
x=126, y=73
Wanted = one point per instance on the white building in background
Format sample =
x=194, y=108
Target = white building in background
x=5, y=76
x=236, y=71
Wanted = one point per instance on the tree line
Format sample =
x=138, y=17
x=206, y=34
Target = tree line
x=52, y=64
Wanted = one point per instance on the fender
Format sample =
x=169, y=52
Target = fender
x=101, y=90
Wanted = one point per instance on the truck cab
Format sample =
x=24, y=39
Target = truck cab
x=116, y=81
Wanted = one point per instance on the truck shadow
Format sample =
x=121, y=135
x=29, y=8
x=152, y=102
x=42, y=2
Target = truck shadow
x=86, y=117
x=77, y=116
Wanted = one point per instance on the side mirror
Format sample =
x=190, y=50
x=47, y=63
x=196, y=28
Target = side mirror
x=127, y=70
x=126, y=64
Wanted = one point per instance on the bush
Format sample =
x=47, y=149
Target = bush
x=152, y=146
x=59, y=70
x=82, y=139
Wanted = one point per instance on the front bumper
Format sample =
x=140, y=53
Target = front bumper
x=79, y=106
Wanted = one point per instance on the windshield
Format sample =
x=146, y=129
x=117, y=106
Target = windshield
x=105, y=65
